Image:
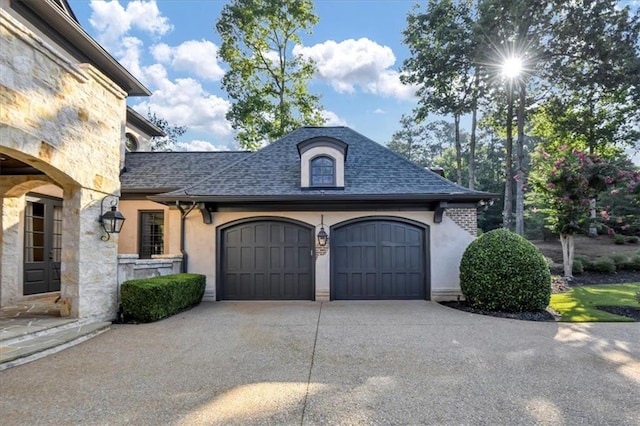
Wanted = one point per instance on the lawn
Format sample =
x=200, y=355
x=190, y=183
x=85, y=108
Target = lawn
x=578, y=304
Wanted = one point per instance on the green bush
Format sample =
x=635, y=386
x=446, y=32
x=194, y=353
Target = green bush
x=633, y=240
x=619, y=259
x=604, y=264
x=587, y=264
x=618, y=239
x=578, y=267
x=633, y=264
x=638, y=296
x=151, y=299
x=501, y=271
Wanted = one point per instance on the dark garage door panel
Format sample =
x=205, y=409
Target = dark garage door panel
x=381, y=259
x=267, y=260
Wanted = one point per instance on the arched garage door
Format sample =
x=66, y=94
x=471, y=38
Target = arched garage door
x=379, y=259
x=265, y=259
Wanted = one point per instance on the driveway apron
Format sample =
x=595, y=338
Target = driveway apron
x=412, y=362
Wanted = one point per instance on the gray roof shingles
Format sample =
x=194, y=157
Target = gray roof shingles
x=152, y=172
x=371, y=170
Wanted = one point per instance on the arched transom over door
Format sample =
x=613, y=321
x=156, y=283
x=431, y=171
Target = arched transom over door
x=379, y=259
x=266, y=259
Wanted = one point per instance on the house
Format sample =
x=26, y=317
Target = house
x=63, y=119
x=324, y=213
x=321, y=214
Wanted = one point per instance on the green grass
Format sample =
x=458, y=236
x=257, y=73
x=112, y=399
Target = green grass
x=578, y=304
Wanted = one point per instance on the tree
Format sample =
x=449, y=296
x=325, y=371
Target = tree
x=564, y=182
x=443, y=47
x=266, y=82
x=172, y=131
x=424, y=144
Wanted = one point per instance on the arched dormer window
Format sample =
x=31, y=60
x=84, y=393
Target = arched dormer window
x=131, y=142
x=323, y=171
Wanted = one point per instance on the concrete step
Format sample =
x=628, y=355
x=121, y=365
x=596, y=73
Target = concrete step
x=29, y=347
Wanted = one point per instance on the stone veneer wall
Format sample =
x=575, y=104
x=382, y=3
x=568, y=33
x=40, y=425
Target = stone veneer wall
x=67, y=120
x=130, y=267
x=466, y=219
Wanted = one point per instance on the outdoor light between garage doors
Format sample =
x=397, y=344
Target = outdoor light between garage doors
x=323, y=237
x=111, y=220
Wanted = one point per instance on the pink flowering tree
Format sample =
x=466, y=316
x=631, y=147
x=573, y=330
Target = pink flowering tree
x=564, y=182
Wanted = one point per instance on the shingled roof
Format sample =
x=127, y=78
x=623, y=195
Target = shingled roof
x=155, y=172
x=372, y=172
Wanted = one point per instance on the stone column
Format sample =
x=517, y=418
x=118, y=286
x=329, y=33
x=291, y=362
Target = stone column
x=11, y=249
x=89, y=265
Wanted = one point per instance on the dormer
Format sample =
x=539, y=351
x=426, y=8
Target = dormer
x=322, y=163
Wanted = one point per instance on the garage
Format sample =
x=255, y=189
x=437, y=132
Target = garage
x=379, y=259
x=265, y=259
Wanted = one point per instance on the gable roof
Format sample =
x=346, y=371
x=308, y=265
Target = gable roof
x=155, y=172
x=372, y=172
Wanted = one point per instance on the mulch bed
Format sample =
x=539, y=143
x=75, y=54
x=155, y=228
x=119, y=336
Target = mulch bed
x=560, y=285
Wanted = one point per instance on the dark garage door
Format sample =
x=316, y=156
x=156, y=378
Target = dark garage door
x=379, y=259
x=266, y=260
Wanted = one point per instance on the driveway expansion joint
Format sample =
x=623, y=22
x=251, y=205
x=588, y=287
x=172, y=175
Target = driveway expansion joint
x=313, y=355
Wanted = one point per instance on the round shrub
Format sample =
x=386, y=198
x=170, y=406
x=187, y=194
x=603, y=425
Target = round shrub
x=586, y=262
x=604, y=264
x=618, y=239
x=633, y=240
x=619, y=259
x=501, y=271
x=578, y=267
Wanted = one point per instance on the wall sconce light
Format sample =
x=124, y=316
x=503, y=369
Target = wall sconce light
x=111, y=220
x=323, y=237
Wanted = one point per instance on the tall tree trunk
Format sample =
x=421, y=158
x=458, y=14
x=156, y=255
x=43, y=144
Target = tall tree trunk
x=474, y=125
x=456, y=120
x=520, y=165
x=507, y=212
x=567, y=242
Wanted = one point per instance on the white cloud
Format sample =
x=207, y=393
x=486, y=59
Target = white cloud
x=332, y=119
x=199, y=57
x=357, y=63
x=198, y=145
x=184, y=102
x=379, y=111
x=114, y=21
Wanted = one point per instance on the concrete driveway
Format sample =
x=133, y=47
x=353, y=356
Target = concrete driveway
x=334, y=363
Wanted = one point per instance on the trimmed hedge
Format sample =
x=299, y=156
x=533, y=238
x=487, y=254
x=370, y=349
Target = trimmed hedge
x=502, y=271
x=604, y=264
x=151, y=299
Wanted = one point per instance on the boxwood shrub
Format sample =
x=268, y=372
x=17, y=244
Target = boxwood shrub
x=604, y=264
x=501, y=271
x=151, y=299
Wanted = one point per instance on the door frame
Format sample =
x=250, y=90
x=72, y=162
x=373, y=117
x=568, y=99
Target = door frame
x=426, y=255
x=49, y=267
x=220, y=253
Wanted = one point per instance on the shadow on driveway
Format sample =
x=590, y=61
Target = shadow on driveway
x=338, y=362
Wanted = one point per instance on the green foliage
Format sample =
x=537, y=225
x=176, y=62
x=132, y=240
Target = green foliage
x=267, y=82
x=578, y=267
x=633, y=240
x=565, y=181
x=638, y=296
x=172, y=131
x=619, y=258
x=604, y=264
x=618, y=239
x=501, y=271
x=585, y=261
x=633, y=263
x=151, y=299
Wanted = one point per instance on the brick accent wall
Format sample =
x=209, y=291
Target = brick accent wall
x=466, y=219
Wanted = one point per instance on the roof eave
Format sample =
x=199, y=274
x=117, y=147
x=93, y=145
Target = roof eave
x=74, y=33
x=475, y=197
x=136, y=119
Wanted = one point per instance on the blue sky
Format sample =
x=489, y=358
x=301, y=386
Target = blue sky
x=171, y=45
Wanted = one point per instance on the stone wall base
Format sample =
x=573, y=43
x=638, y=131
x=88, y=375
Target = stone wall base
x=130, y=267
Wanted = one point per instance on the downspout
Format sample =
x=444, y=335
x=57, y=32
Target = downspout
x=183, y=216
